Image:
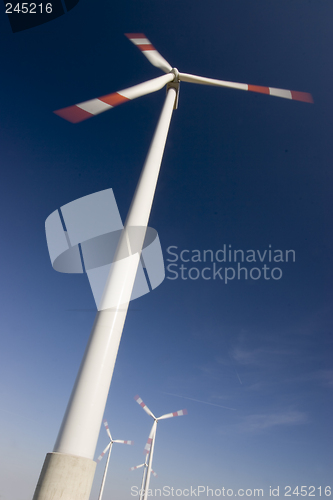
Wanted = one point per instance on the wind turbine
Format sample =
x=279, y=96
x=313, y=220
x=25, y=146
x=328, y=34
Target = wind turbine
x=149, y=448
x=79, y=431
x=145, y=466
x=109, y=447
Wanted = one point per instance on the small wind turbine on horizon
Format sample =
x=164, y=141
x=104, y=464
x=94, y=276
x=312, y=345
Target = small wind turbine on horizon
x=145, y=467
x=109, y=447
x=80, y=427
x=149, y=448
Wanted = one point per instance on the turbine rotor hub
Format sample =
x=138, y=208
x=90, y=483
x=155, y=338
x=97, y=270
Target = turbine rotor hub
x=176, y=73
x=175, y=84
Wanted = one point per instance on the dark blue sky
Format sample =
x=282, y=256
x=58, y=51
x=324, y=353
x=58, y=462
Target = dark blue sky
x=240, y=169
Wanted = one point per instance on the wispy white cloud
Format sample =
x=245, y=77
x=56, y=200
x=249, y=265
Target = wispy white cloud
x=246, y=356
x=239, y=378
x=324, y=377
x=263, y=421
x=258, y=356
x=199, y=401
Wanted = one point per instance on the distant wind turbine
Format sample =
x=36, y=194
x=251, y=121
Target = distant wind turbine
x=149, y=448
x=109, y=447
x=145, y=467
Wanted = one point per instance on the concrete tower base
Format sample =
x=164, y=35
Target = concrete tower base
x=65, y=477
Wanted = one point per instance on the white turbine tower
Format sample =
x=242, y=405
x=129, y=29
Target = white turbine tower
x=145, y=466
x=109, y=447
x=149, y=448
x=70, y=468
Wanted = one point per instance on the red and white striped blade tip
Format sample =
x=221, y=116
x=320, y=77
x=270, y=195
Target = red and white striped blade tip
x=123, y=442
x=144, y=406
x=103, y=452
x=84, y=110
x=147, y=446
x=87, y=109
x=150, y=438
x=154, y=473
x=107, y=429
x=137, y=467
x=174, y=414
x=286, y=94
x=153, y=56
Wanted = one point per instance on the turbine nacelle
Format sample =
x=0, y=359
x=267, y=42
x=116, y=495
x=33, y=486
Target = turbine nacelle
x=174, y=84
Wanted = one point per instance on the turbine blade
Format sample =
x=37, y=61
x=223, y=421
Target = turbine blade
x=84, y=110
x=286, y=94
x=107, y=429
x=174, y=414
x=124, y=442
x=137, y=467
x=103, y=453
x=145, y=407
x=147, y=49
x=150, y=438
